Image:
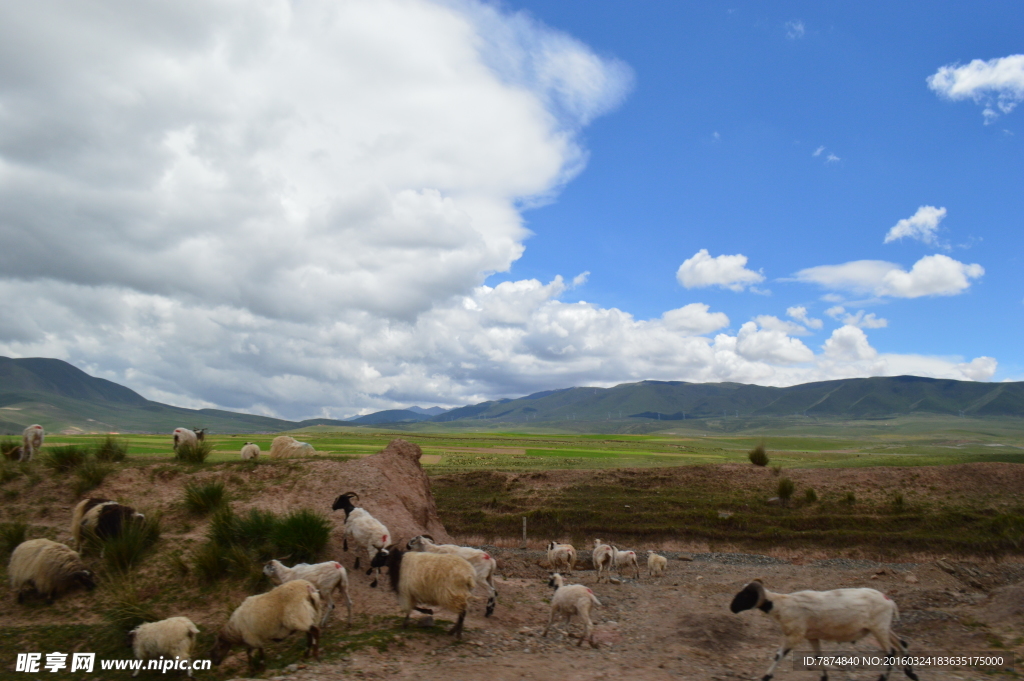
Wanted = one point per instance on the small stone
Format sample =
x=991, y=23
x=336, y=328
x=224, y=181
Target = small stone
x=911, y=578
x=614, y=580
x=526, y=650
x=685, y=556
x=292, y=668
x=526, y=631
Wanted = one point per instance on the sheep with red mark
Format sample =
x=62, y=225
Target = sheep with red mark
x=365, y=530
x=570, y=600
x=326, y=577
x=483, y=564
x=31, y=441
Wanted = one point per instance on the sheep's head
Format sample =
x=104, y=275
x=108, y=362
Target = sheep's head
x=419, y=543
x=344, y=501
x=270, y=570
x=84, y=578
x=551, y=545
x=751, y=596
x=555, y=580
x=220, y=650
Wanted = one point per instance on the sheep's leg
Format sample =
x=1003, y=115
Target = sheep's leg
x=356, y=566
x=551, y=621
x=780, y=654
x=899, y=644
x=457, y=629
x=313, y=642
x=492, y=598
x=348, y=605
x=328, y=606
x=405, y=622
x=816, y=646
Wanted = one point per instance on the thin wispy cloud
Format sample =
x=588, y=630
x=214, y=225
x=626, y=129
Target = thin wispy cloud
x=932, y=275
x=795, y=29
x=817, y=152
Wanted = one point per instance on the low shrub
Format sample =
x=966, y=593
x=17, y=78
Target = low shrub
x=810, y=496
x=758, y=456
x=64, y=459
x=204, y=497
x=112, y=450
x=193, y=453
x=785, y=489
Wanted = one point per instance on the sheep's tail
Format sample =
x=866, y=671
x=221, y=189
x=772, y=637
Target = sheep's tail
x=593, y=598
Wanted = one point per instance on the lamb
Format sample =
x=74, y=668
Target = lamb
x=31, y=441
x=441, y=579
x=326, y=577
x=603, y=558
x=101, y=518
x=839, y=615
x=293, y=606
x=365, y=530
x=562, y=556
x=655, y=564
x=569, y=600
x=250, y=451
x=171, y=638
x=625, y=559
x=483, y=564
x=183, y=437
x=48, y=567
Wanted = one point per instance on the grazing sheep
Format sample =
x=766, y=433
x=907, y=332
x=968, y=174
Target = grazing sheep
x=326, y=577
x=624, y=560
x=171, y=638
x=441, y=579
x=250, y=451
x=183, y=437
x=655, y=564
x=31, y=441
x=284, y=447
x=101, y=518
x=603, y=559
x=365, y=530
x=47, y=567
x=483, y=564
x=569, y=600
x=293, y=606
x=562, y=556
x=839, y=615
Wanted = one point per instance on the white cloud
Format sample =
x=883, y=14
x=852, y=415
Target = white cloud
x=998, y=84
x=932, y=275
x=694, y=319
x=979, y=368
x=773, y=323
x=817, y=152
x=860, y=320
x=800, y=314
x=922, y=225
x=832, y=158
x=770, y=346
x=726, y=271
x=849, y=343
x=795, y=29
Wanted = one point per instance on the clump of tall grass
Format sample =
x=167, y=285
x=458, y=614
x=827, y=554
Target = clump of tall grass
x=758, y=456
x=302, y=535
x=810, y=496
x=12, y=534
x=204, y=497
x=112, y=450
x=8, y=471
x=850, y=499
x=64, y=459
x=193, y=453
x=785, y=489
x=10, y=449
x=90, y=475
x=899, y=504
x=124, y=611
x=123, y=552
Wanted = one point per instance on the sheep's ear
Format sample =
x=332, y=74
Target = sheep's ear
x=751, y=595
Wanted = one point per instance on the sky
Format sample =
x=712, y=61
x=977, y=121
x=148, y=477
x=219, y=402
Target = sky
x=332, y=207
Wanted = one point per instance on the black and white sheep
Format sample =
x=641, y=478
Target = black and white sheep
x=840, y=615
x=569, y=600
x=31, y=441
x=444, y=580
x=273, y=616
x=183, y=437
x=250, y=451
x=326, y=577
x=48, y=567
x=604, y=556
x=483, y=564
x=625, y=560
x=172, y=638
x=365, y=530
x=100, y=518
x=655, y=564
x=562, y=556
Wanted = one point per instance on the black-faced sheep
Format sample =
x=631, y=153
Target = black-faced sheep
x=655, y=564
x=326, y=577
x=250, y=451
x=366, y=531
x=172, y=638
x=562, y=557
x=100, y=518
x=841, y=615
x=569, y=600
x=440, y=579
x=31, y=441
x=603, y=559
x=48, y=567
x=483, y=564
x=293, y=606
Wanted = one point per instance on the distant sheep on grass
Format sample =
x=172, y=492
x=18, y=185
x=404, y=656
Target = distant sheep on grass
x=250, y=451
x=31, y=441
x=284, y=447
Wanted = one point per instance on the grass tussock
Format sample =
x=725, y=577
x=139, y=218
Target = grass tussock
x=67, y=458
x=12, y=534
x=758, y=456
x=112, y=450
x=810, y=496
x=126, y=550
x=90, y=475
x=202, y=498
x=785, y=489
x=302, y=535
x=9, y=449
x=193, y=453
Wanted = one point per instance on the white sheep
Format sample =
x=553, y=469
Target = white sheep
x=101, y=518
x=293, y=606
x=841, y=615
x=655, y=564
x=365, y=530
x=569, y=600
x=603, y=558
x=250, y=451
x=483, y=564
x=172, y=638
x=31, y=441
x=326, y=577
x=48, y=567
x=444, y=580
x=183, y=437
x=562, y=556
x=624, y=560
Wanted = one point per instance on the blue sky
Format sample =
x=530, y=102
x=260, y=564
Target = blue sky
x=334, y=207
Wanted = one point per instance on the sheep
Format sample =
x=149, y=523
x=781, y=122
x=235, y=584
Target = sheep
x=562, y=555
x=655, y=564
x=31, y=441
x=365, y=530
x=483, y=564
x=48, y=567
x=603, y=555
x=284, y=447
x=172, y=638
x=293, y=606
x=326, y=577
x=441, y=579
x=250, y=451
x=569, y=600
x=625, y=559
x=101, y=518
x=839, y=615
x=183, y=437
